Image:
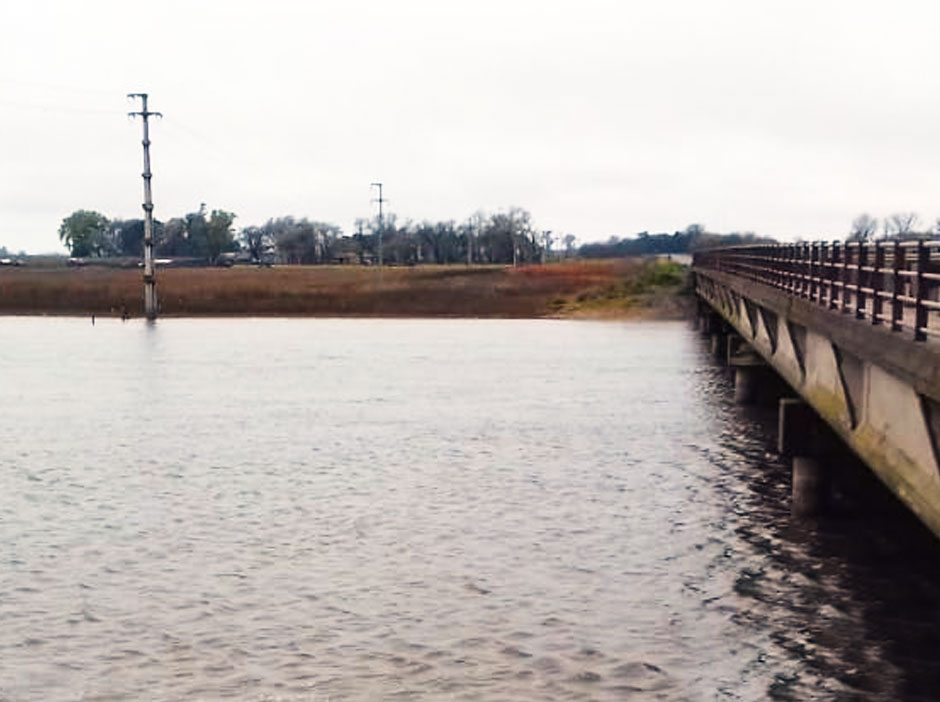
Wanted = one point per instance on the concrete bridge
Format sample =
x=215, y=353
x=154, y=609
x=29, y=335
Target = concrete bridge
x=854, y=330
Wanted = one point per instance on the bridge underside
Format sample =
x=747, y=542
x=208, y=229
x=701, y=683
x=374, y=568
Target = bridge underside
x=879, y=392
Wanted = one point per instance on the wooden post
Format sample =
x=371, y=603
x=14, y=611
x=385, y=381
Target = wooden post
x=877, y=300
x=897, y=307
x=920, y=294
x=860, y=280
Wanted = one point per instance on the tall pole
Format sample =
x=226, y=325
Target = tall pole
x=381, y=220
x=512, y=239
x=150, y=281
x=470, y=242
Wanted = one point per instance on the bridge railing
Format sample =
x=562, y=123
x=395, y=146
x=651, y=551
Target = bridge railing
x=894, y=283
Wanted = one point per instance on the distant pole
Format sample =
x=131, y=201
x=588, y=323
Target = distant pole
x=470, y=242
x=381, y=220
x=512, y=240
x=150, y=281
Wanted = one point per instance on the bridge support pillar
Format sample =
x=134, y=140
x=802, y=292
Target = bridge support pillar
x=809, y=487
x=794, y=424
x=702, y=309
x=733, y=343
x=799, y=431
x=750, y=371
x=709, y=322
x=746, y=384
x=719, y=345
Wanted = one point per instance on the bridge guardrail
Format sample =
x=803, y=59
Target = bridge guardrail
x=894, y=283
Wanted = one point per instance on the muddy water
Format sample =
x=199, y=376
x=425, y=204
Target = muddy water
x=424, y=510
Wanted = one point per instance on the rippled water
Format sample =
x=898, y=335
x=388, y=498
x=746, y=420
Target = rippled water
x=424, y=510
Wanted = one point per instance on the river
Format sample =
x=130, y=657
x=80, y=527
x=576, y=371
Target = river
x=298, y=509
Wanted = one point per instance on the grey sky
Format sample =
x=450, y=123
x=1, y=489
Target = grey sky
x=602, y=118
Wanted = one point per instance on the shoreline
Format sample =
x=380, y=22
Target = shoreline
x=622, y=289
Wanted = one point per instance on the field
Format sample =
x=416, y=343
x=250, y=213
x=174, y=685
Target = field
x=621, y=288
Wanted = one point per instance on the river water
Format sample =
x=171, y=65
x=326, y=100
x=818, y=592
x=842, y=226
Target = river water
x=424, y=510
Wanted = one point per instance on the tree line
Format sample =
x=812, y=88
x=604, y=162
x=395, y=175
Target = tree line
x=89, y=234
x=900, y=225
x=503, y=237
x=694, y=237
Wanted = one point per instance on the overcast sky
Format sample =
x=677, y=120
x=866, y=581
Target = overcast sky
x=600, y=117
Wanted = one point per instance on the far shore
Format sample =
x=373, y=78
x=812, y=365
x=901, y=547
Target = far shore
x=598, y=289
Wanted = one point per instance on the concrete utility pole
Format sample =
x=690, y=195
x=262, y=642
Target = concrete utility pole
x=150, y=281
x=381, y=220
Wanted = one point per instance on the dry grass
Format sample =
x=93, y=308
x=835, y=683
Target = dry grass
x=425, y=291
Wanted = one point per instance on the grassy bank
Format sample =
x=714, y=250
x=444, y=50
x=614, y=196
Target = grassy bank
x=601, y=289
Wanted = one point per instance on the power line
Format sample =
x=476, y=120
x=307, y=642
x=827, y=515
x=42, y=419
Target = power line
x=57, y=108
x=57, y=87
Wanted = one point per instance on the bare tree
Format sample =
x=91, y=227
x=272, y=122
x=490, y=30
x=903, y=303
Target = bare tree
x=864, y=228
x=569, y=240
x=901, y=224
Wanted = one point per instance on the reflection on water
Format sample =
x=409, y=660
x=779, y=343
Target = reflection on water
x=459, y=510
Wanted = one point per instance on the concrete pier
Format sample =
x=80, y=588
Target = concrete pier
x=733, y=342
x=709, y=323
x=746, y=385
x=794, y=425
x=719, y=344
x=749, y=371
x=799, y=431
x=809, y=487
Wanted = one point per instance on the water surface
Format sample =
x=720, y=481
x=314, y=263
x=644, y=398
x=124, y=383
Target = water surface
x=421, y=510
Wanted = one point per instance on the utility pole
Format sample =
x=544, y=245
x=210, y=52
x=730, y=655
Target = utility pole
x=512, y=239
x=381, y=220
x=150, y=281
x=470, y=242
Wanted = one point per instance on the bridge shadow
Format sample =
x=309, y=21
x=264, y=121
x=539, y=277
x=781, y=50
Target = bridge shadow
x=852, y=598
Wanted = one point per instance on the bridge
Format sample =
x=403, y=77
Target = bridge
x=854, y=331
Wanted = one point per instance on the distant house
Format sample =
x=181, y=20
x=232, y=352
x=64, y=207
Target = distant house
x=347, y=258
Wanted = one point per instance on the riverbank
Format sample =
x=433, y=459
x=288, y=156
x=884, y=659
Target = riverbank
x=621, y=289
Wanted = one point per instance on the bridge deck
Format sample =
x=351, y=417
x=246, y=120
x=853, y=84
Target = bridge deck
x=895, y=283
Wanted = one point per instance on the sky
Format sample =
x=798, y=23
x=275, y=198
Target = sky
x=601, y=117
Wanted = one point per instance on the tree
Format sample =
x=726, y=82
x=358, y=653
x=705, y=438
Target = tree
x=509, y=237
x=569, y=240
x=219, y=234
x=84, y=233
x=126, y=237
x=441, y=241
x=197, y=233
x=255, y=240
x=901, y=224
x=172, y=240
x=547, y=241
x=864, y=228
x=301, y=241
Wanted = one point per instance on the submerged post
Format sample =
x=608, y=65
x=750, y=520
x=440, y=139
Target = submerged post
x=150, y=281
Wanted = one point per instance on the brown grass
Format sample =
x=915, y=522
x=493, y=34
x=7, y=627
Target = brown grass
x=425, y=291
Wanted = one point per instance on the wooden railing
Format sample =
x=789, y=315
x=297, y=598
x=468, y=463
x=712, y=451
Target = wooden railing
x=894, y=283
